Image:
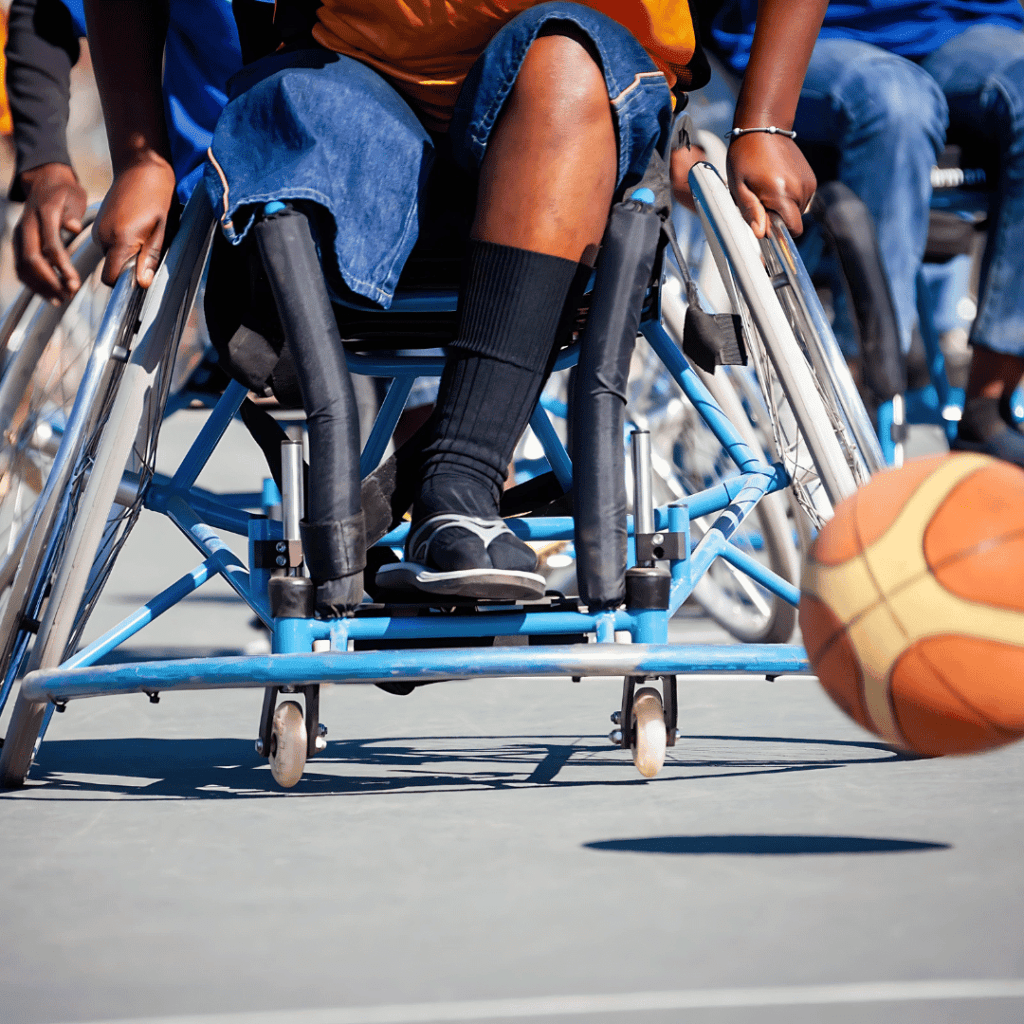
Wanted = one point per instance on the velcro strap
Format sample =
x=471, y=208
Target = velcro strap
x=713, y=339
x=334, y=549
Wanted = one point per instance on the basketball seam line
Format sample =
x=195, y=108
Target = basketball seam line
x=881, y=599
x=962, y=699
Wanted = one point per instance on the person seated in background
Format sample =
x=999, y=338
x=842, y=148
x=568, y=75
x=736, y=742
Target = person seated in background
x=884, y=83
x=554, y=109
x=43, y=44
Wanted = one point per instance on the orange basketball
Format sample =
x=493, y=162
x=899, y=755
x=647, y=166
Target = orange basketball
x=912, y=606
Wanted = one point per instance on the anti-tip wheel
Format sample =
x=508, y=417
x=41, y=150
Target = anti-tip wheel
x=288, y=744
x=649, y=735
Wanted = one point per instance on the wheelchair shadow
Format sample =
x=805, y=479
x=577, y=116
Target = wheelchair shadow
x=227, y=768
x=764, y=845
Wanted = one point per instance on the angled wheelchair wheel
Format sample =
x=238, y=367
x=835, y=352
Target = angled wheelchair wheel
x=23, y=313
x=104, y=473
x=45, y=352
x=803, y=396
x=52, y=397
x=42, y=544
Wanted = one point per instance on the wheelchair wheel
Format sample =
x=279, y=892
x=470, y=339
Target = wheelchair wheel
x=810, y=420
x=687, y=457
x=45, y=353
x=110, y=470
x=59, y=366
x=24, y=310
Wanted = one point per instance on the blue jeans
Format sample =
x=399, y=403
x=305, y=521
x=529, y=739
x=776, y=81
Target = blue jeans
x=321, y=128
x=888, y=116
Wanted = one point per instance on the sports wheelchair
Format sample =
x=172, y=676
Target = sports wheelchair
x=634, y=570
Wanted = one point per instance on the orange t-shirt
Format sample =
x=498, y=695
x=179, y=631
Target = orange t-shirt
x=426, y=47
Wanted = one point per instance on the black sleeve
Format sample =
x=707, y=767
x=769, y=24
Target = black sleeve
x=42, y=47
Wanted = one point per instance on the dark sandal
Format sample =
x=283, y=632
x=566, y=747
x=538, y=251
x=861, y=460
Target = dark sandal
x=487, y=583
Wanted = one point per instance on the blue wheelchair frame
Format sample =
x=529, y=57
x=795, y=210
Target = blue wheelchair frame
x=200, y=514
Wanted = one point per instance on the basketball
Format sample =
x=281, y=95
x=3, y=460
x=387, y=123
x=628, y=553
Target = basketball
x=912, y=605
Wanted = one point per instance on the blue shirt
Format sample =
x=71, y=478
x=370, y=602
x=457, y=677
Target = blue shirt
x=911, y=28
x=200, y=55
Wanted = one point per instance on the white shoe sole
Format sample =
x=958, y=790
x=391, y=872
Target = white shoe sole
x=482, y=584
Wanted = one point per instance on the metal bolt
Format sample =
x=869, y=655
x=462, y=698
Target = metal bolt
x=320, y=744
x=658, y=538
x=280, y=546
x=615, y=736
x=281, y=560
x=323, y=729
x=679, y=734
x=616, y=717
x=259, y=747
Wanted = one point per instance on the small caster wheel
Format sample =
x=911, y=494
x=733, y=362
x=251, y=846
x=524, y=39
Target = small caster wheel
x=649, y=736
x=288, y=744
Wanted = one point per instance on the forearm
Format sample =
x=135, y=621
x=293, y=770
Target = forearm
x=127, y=38
x=42, y=47
x=783, y=40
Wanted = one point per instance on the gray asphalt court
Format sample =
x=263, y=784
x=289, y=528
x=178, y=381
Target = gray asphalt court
x=479, y=852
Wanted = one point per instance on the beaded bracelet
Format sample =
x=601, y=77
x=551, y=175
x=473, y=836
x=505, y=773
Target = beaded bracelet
x=735, y=133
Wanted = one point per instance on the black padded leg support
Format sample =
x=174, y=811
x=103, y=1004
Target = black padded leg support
x=848, y=225
x=599, y=488
x=333, y=509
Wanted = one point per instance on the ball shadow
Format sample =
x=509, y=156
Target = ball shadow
x=763, y=845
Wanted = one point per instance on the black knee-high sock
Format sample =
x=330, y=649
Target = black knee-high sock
x=511, y=309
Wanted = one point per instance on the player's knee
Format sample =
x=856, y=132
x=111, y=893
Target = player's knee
x=905, y=103
x=564, y=83
x=1006, y=110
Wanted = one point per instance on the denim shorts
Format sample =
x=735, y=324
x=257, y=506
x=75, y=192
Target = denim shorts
x=315, y=127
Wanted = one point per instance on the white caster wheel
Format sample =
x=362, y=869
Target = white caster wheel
x=288, y=744
x=649, y=736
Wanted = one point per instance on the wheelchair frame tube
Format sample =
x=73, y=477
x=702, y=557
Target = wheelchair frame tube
x=362, y=667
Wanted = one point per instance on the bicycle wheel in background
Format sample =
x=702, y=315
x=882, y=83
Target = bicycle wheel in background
x=811, y=431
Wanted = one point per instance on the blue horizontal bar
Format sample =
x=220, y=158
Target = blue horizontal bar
x=390, y=364
x=214, y=513
x=496, y=623
x=258, y=672
x=703, y=503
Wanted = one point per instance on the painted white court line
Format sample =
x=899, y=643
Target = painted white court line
x=625, y=1002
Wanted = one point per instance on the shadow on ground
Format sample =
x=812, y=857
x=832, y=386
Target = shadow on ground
x=227, y=768
x=764, y=845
